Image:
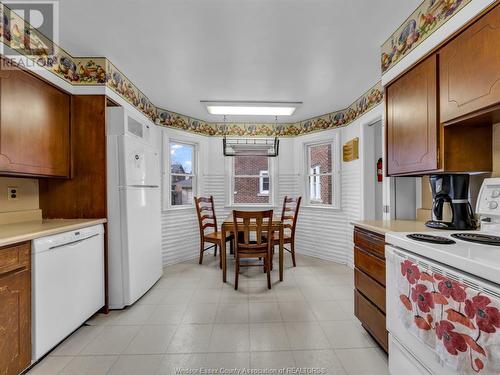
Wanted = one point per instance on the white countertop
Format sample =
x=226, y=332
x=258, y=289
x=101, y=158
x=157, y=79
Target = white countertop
x=385, y=226
x=29, y=230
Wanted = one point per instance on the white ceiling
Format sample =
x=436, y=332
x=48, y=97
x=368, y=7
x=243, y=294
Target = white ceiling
x=324, y=53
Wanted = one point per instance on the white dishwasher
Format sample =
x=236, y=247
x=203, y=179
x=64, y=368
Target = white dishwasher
x=67, y=284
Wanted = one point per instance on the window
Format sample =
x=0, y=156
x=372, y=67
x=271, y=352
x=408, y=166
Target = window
x=182, y=176
x=251, y=180
x=320, y=173
x=264, y=183
x=315, y=184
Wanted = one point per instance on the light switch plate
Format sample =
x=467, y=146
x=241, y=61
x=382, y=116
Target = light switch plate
x=12, y=193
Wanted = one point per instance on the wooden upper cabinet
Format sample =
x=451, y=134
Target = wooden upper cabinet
x=470, y=69
x=34, y=126
x=412, y=122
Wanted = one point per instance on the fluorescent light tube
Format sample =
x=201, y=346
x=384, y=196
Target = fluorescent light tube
x=237, y=108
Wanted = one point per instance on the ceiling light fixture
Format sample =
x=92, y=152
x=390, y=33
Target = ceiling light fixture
x=252, y=108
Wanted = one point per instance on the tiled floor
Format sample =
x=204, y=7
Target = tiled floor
x=190, y=319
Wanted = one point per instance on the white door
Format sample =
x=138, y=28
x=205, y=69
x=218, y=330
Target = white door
x=140, y=163
x=142, y=261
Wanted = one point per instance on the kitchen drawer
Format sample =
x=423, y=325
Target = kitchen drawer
x=370, y=289
x=14, y=257
x=370, y=264
x=372, y=319
x=370, y=241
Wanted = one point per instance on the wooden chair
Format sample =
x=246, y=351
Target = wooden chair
x=257, y=246
x=289, y=217
x=205, y=210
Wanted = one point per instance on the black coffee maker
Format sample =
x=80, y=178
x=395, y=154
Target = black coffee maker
x=454, y=190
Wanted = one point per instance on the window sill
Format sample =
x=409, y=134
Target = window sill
x=250, y=205
x=322, y=207
x=178, y=208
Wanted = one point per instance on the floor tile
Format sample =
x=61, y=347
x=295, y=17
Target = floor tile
x=261, y=294
x=135, y=315
x=264, y=312
x=268, y=336
x=229, y=295
x=306, y=336
x=342, y=292
x=74, y=344
x=325, y=359
x=167, y=314
x=151, y=339
x=329, y=310
x=347, y=334
x=296, y=312
x=50, y=366
x=111, y=340
x=228, y=360
x=230, y=338
x=317, y=294
x=177, y=296
x=190, y=319
x=89, y=365
x=200, y=313
x=366, y=361
x=136, y=364
x=348, y=306
x=172, y=362
x=232, y=313
x=155, y=296
x=206, y=296
x=288, y=294
x=191, y=338
x=271, y=360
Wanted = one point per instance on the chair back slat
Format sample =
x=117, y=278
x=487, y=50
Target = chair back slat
x=205, y=211
x=290, y=204
x=248, y=223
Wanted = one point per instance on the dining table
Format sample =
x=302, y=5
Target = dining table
x=227, y=228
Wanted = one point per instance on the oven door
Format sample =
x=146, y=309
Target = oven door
x=418, y=357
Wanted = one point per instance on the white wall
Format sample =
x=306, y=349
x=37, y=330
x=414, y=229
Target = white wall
x=322, y=232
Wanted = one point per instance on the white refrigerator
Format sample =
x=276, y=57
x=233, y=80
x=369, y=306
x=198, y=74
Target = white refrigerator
x=134, y=208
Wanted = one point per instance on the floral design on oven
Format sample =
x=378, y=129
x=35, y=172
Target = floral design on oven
x=456, y=320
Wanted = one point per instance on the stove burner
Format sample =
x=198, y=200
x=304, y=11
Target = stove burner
x=484, y=239
x=431, y=239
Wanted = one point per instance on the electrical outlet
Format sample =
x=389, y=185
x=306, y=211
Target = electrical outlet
x=12, y=193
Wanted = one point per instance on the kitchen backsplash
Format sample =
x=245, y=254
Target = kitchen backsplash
x=25, y=206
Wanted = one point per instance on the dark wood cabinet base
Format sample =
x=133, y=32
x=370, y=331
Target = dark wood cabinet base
x=369, y=282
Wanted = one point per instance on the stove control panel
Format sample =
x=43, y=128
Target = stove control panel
x=488, y=202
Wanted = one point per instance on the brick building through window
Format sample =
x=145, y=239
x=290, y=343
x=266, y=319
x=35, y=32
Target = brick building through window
x=251, y=180
x=320, y=176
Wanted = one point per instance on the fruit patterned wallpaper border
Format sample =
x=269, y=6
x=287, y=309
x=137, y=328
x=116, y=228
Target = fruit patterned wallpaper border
x=425, y=20
x=20, y=36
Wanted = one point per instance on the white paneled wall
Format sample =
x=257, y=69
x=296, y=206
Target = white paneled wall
x=322, y=232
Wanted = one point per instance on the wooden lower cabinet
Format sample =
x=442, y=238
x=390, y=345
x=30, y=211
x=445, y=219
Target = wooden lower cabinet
x=15, y=309
x=372, y=318
x=369, y=283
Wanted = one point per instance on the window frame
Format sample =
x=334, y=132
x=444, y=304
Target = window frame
x=263, y=175
x=230, y=184
x=335, y=173
x=168, y=173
